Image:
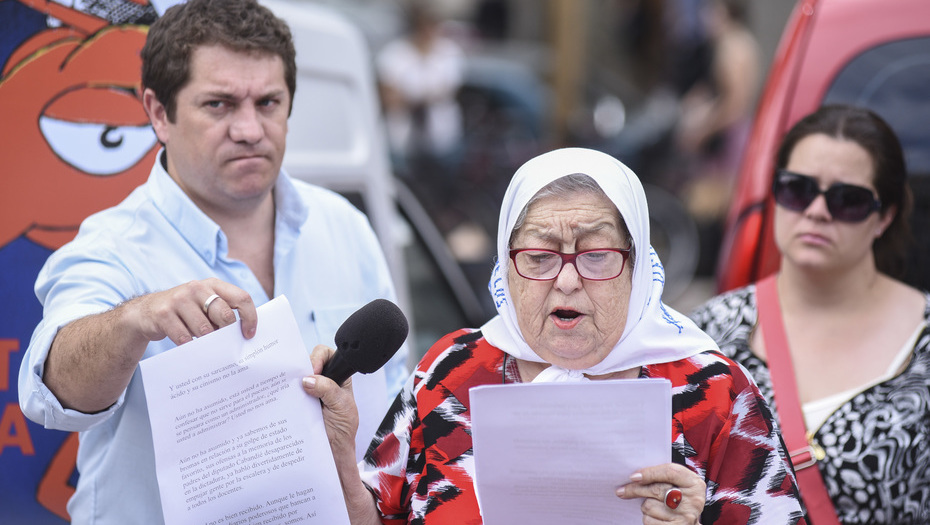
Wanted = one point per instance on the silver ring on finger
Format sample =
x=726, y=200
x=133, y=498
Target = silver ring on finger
x=208, y=302
x=673, y=498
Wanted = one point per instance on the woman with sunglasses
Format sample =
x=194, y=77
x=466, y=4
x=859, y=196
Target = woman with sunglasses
x=578, y=291
x=838, y=345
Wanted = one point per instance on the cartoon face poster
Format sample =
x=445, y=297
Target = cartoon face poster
x=75, y=140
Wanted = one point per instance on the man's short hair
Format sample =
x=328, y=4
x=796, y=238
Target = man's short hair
x=239, y=25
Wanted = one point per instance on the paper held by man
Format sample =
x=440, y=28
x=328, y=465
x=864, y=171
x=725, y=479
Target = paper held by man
x=237, y=440
x=554, y=453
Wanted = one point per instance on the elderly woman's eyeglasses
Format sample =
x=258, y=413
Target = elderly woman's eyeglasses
x=845, y=202
x=545, y=265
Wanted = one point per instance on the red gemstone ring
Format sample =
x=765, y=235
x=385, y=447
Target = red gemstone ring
x=672, y=498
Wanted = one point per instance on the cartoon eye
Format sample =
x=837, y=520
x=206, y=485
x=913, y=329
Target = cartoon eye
x=95, y=148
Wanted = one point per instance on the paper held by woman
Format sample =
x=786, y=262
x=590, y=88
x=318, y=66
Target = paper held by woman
x=552, y=453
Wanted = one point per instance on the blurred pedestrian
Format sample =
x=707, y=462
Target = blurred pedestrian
x=715, y=120
x=419, y=75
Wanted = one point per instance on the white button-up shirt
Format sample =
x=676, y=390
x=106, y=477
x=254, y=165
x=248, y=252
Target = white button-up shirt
x=327, y=261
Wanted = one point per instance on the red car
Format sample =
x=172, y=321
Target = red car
x=872, y=53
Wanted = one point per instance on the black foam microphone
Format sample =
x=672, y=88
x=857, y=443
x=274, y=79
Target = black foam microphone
x=367, y=340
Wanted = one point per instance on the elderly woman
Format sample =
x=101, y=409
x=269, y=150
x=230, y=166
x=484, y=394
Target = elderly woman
x=578, y=292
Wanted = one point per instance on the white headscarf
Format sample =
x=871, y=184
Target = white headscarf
x=654, y=333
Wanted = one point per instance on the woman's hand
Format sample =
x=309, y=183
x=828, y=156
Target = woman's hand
x=340, y=414
x=655, y=483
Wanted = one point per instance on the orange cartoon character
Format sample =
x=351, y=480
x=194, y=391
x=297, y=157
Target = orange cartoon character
x=74, y=139
x=75, y=136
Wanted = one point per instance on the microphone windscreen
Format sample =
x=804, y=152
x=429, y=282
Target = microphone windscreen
x=369, y=337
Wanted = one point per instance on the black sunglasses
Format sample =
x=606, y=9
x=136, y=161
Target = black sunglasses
x=846, y=202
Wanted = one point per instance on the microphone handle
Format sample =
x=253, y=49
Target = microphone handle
x=338, y=369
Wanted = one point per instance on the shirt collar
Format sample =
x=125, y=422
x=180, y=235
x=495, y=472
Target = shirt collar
x=290, y=208
x=202, y=233
x=291, y=214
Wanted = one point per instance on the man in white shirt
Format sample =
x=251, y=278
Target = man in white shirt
x=217, y=229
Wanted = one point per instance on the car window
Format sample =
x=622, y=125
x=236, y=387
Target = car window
x=891, y=80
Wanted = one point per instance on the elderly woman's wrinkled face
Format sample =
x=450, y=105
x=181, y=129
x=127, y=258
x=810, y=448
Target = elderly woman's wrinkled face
x=571, y=322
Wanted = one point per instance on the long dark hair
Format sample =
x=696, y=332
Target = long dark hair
x=876, y=137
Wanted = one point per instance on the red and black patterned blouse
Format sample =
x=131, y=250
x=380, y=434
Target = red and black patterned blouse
x=877, y=443
x=420, y=464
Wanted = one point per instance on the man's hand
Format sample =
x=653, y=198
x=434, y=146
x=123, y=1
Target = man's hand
x=193, y=309
x=93, y=358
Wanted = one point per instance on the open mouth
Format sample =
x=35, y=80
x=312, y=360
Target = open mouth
x=566, y=315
